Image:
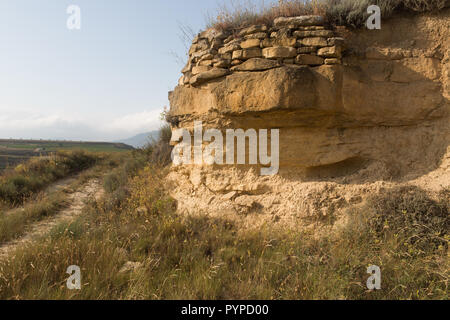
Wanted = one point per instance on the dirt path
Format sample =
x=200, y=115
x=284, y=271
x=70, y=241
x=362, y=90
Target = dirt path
x=92, y=188
x=61, y=184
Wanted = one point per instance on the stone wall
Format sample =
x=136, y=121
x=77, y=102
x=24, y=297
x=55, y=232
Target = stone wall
x=298, y=40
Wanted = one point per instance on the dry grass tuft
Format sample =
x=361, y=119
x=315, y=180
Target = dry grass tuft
x=236, y=15
x=239, y=14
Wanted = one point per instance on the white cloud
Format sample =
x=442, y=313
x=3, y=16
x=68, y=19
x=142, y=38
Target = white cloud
x=135, y=123
x=25, y=124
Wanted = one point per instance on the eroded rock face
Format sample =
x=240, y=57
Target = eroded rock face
x=382, y=115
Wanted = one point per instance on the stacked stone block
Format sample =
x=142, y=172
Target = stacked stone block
x=300, y=40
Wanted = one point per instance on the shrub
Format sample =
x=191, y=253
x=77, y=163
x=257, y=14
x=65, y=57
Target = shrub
x=77, y=160
x=424, y=5
x=116, y=183
x=160, y=151
x=410, y=212
x=116, y=199
x=354, y=13
x=147, y=191
x=239, y=15
x=111, y=182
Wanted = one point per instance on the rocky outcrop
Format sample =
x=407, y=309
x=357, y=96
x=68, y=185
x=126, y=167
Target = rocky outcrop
x=356, y=110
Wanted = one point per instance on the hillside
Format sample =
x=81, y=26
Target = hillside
x=141, y=140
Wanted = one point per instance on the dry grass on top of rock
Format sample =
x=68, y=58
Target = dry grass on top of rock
x=240, y=14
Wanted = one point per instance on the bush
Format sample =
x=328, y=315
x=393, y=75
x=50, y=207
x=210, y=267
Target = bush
x=116, y=183
x=411, y=213
x=76, y=161
x=354, y=13
x=424, y=5
x=239, y=15
x=160, y=151
x=148, y=191
x=112, y=182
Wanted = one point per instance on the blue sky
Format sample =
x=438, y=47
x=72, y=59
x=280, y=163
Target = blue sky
x=107, y=81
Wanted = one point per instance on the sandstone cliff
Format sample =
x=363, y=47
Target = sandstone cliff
x=357, y=111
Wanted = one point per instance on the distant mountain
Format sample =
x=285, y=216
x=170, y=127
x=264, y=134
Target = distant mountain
x=140, y=140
